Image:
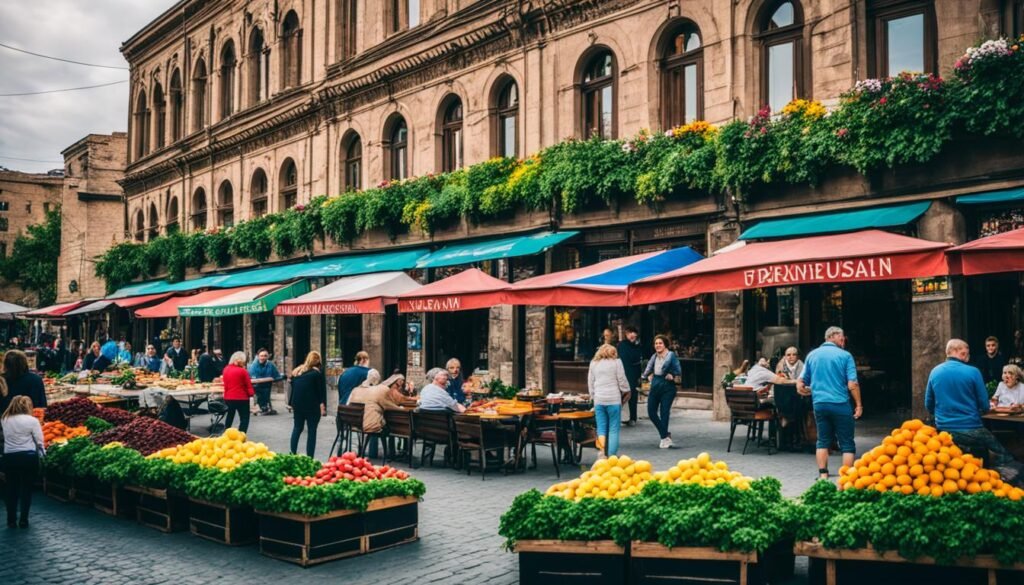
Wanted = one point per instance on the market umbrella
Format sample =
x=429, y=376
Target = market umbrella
x=9, y=310
x=999, y=253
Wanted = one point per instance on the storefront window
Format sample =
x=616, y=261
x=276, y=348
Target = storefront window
x=998, y=222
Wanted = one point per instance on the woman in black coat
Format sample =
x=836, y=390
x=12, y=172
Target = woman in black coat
x=308, y=400
x=20, y=381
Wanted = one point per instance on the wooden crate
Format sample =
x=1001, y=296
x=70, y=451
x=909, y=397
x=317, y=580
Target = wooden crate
x=309, y=540
x=114, y=499
x=163, y=510
x=651, y=562
x=563, y=562
x=231, y=525
x=866, y=565
x=57, y=485
x=390, y=522
x=83, y=490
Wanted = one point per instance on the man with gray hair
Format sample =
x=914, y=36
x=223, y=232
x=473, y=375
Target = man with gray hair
x=830, y=378
x=956, y=396
x=434, y=395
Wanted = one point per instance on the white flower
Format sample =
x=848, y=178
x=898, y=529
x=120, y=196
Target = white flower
x=991, y=48
x=869, y=85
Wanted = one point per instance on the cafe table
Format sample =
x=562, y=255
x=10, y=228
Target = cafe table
x=569, y=422
x=512, y=412
x=1009, y=429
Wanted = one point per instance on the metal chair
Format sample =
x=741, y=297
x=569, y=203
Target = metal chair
x=434, y=428
x=748, y=411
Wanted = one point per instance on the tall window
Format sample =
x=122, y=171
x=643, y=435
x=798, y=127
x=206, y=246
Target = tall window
x=141, y=126
x=259, y=67
x=396, y=147
x=258, y=193
x=172, y=216
x=289, y=184
x=507, y=119
x=597, y=89
x=781, y=38
x=225, y=205
x=199, y=80
x=352, y=165
x=177, y=107
x=159, y=116
x=140, y=226
x=199, y=209
x=227, y=80
x=348, y=29
x=451, y=136
x=403, y=14
x=682, y=76
x=902, y=37
x=154, y=223
x=291, y=47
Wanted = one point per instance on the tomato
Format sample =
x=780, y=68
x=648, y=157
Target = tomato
x=349, y=476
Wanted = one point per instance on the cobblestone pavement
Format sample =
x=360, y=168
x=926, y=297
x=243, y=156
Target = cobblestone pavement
x=68, y=543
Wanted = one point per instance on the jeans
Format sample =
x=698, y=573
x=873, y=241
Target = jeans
x=632, y=377
x=263, y=398
x=835, y=420
x=608, y=421
x=982, y=443
x=310, y=420
x=20, y=469
x=659, y=403
x=242, y=407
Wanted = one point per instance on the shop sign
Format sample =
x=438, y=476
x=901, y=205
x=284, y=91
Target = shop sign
x=431, y=305
x=819, y=271
x=937, y=288
x=668, y=231
x=328, y=308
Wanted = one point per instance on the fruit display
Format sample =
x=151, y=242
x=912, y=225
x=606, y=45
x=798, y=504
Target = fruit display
x=72, y=412
x=56, y=432
x=145, y=435
x=701, y=470
x=347, y=467
x=614, y=477
x=917, y=459
x=225, y=452
x=40, y=414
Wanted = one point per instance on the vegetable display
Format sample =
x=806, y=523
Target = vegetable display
x=115, y=416
x=225, y=452
x=72, y=412
x=56, y=431
x=347, y=467
x=145, y=435
x=97, y=425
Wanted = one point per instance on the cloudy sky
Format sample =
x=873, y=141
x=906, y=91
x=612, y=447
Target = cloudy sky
x=38, y=127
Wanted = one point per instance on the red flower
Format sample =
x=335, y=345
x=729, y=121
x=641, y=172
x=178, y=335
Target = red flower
x=842, y=132
x=882, y=101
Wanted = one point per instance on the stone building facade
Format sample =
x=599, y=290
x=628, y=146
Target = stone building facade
x=239, y=108
x=25, y=198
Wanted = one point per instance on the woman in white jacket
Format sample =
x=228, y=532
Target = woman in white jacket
x=608, y=387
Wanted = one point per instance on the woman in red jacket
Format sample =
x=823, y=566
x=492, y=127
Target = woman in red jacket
x=237, y=390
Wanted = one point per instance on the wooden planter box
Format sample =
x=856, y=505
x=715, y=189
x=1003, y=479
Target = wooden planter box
x=114, y=499
x=565, y=562
x=163, y=510
x=232, y=525
x=390, y=522
x=651, y=562
x=83, y=490
x=58, y=486
x=866, y=565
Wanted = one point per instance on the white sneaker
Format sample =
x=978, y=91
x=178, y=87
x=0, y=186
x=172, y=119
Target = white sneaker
x=665, y=443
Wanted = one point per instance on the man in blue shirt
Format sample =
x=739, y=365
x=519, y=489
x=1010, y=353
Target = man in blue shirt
x=956, y=396
x=263, y=373
x=353, y=377
x=830, y=378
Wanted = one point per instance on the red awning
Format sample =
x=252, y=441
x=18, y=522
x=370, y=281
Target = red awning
x=354, y=295
x=469, y=289
x=169, y=308
x=859, y=256
x=54, y=311
x=553, y=289
x=130, y=302
x=999, y=253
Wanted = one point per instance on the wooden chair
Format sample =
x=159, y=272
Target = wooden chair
x=543, y=433
x=747, y=410
x=399, y=426
x=433, y=428
x=349, y=422
x=473, y=437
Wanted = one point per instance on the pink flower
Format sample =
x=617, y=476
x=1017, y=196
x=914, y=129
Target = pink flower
x=842, y=132
x=882, y=100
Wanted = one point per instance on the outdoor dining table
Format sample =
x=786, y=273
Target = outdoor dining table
x=569, y=422
x=1009, y=429
x=515, y=413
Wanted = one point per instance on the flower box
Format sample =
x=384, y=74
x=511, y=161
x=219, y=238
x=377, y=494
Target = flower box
x=565, y=562
x=231, y=525
x=163, y=510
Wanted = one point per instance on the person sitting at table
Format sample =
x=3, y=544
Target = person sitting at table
x=152, y=362
x=91, y=355
x=991, y=362
x=205, y=370
x=761, y=379
x=434, y=396
x=375, y=400
x=125, y=355
x=1010, y=391
x=108, y=353
x=353, y=376
x=607, y=384
x=455, y=380
x=790, y=366
x=175, y=356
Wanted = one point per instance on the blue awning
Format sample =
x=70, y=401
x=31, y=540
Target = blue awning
x=332, y=267
x=659, y=263
x=839, y=221
x=1001, y=196
x=510, y=247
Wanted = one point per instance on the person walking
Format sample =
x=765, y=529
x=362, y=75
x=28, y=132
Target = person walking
x=264, y=373
x=608, y=386
x=631, y=356
x=23, y=446
x=19, y=381
x=237, y=391
x=353, y=376
x=830, y=379
x=308, y=400
x=663, y=369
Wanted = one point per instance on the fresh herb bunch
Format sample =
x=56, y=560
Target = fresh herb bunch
x=499, y=389
x=342, y=495
x=61, y=456
x=159, y=473
x=112, y=464
x=97, y=425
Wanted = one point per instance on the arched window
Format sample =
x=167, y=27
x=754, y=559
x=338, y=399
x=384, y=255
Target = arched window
x=172, y=216
x=141, y=126
x=177, y=107
x=199, y=212
x=225, y=205
x=258, y=193
x=682, y=76
x=506, y=119
x=402, y=15
x=154, y=223
x=597, y=90
x=781, y=36
x=199, y=80
x=140, y=226
x=291, y=56
x=348, y=28
x=227, y=79
x=352, y=162
x=451, y=135
x=901, y=37
x=289, y=184
x=159, y=116
x=259, y=67
x=396, y=149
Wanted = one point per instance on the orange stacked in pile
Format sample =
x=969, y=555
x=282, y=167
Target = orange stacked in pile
x=917, y=459
x=56, y=431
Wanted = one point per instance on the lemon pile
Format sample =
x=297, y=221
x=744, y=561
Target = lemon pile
x=225, y=452
x=701, y=470
x=614, y=477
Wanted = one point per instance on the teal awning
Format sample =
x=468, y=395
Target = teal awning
x=839, y=221
x=332, y=267
x=246, y=301
x=510, y=247
x=1001, y=196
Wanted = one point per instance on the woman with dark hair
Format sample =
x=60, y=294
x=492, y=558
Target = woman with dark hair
x=20, y=381
x=308, y=400
x=663, y=369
